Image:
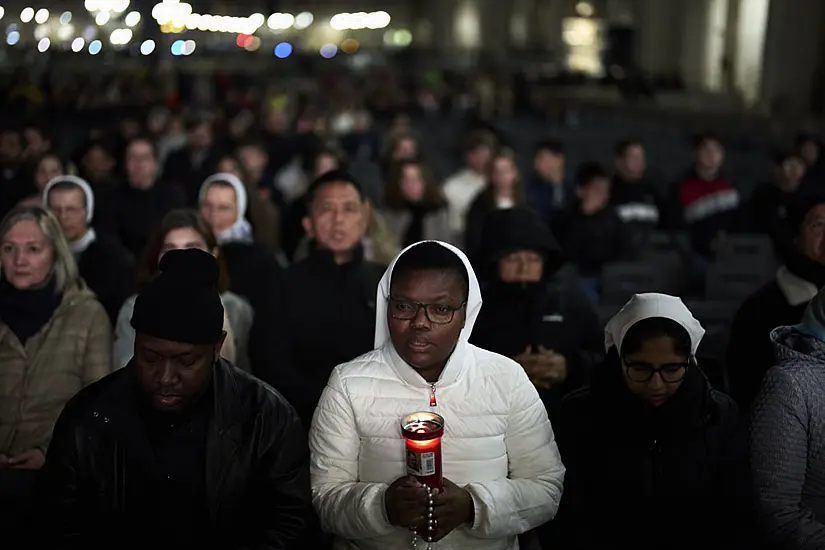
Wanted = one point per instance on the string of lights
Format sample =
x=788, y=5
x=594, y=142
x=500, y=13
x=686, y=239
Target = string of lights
x=112, y=19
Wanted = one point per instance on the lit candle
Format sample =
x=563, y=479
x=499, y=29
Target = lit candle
x=422, y=433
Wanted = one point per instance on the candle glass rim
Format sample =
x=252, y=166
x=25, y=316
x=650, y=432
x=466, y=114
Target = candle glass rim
x=427, y=417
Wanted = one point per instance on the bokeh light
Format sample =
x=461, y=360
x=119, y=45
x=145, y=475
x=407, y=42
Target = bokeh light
x=350, y=45
x=283, y=50
x=43, y=45
x=27, y=15
x=12, y=38
x=303, y=20
x=77, y=44
x=41, y=16
x=65, y=18
x=132, y=19
x=177, y=47
x=147, y=47
x=95, y=47
x=328, y=51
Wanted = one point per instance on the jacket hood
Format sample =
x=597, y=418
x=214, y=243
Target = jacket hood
x=792, y=344
x=513, y=229
x=648, y=306
x=382, y=329
x=813, y=320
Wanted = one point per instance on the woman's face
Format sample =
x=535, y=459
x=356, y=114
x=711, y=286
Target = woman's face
x=412, y=184
x=48, y=169
x=26, y=255
x=504, y=175
x=182, y=238
x=405, y=149
x=324, y=164
x=220, y=208
x=655, y=371
x=230, y=166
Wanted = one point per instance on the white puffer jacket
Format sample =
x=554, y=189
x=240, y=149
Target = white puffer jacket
x=498, y=443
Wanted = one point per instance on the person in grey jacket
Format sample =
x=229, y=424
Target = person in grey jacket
x=788, y=435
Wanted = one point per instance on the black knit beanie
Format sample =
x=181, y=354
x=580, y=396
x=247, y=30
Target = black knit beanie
x=182, y=303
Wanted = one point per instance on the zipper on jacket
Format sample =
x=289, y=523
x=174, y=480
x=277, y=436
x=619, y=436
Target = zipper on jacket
x=433, y=402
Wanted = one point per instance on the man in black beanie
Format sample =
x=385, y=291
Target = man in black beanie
x=179, y=449
x=780, y=302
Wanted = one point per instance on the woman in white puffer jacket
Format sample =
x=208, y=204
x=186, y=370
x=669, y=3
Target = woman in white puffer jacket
x=502, y=472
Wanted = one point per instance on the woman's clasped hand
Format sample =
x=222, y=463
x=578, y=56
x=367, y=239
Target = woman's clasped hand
x=407, y=502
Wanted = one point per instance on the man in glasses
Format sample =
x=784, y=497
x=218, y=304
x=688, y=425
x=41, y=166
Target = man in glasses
x=502, y=473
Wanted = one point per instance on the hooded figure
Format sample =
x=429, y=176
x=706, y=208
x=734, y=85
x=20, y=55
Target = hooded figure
x=530, y=314
x=103, y=262
x=649, y=443
x=788, y=433
x=502, y=472
x=254, y=272
x=240, y=230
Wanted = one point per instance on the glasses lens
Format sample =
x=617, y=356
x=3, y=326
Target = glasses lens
x=673, y=373
x=403, y=310
x=669, y=373
x=639, y=374
x=440, y=314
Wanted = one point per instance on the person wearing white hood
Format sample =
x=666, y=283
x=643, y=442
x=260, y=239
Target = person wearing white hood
x=103, y=262
x=254, y=273
x=502, y=472
x=656, y=458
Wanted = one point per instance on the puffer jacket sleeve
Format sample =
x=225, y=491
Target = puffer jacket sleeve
x=97, y=362
x=346, y=507
x=779, y=456
x=124, y=345
x=530, y=495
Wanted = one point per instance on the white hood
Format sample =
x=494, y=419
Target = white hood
x=241, y=230
x=382, y=330
x=647, y=306
x=82, y=184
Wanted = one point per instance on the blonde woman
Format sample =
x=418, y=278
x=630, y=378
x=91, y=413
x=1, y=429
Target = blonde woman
x=55, y=337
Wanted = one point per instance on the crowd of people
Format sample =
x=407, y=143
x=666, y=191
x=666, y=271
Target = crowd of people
x=156, y=288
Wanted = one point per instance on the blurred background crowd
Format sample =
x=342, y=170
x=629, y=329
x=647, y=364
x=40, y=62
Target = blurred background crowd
x=575, y=168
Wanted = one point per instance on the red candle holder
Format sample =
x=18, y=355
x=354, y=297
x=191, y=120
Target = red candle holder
x=422, y=433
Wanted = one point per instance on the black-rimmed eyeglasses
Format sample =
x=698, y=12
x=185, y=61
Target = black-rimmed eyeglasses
x=643, y=372
x=440, y=314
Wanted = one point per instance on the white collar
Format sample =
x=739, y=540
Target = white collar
x=455, y=367
x=797, y=291
x=80, y=245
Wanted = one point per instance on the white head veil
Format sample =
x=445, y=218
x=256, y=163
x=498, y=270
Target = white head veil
x=240, y=231
x=647, y=306
x=82, y=184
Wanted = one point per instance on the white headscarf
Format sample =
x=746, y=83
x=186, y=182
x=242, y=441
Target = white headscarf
x=79, y=246
x=82, y=184
x=382, y=329
x=647, y=306
x=240, y=231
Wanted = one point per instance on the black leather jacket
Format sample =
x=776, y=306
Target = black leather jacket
x=256, y=465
